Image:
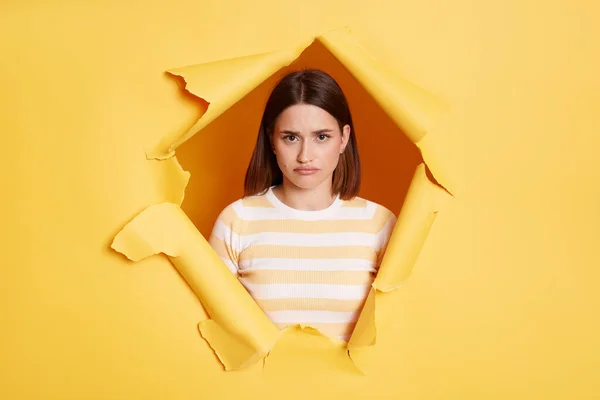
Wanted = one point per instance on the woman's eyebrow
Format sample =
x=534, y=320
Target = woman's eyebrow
x=317, y=132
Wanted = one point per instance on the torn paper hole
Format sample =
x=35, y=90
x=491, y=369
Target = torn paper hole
x=238, y=331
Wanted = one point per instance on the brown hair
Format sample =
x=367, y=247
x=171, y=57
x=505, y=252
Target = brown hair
x=316, y=88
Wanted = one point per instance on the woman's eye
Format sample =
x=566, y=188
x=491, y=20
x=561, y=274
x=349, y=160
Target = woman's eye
x=290, y=138
x=322, y=137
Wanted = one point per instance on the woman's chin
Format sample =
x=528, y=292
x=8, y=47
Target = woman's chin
x=307, y=182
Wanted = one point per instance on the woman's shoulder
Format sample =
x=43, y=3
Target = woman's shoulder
x=241, y=207
x=381, y=219
x=371, y=207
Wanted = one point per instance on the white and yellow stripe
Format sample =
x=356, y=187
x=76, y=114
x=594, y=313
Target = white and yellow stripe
x=311, y=268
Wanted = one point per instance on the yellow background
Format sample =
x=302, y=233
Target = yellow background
x=502, y=302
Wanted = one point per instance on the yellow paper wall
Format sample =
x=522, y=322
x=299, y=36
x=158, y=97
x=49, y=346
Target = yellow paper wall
x=502, y=302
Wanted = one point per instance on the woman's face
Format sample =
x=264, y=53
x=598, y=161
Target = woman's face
x=308, y=143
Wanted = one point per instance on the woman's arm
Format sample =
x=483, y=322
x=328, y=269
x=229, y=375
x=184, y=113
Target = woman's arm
x=224, y=239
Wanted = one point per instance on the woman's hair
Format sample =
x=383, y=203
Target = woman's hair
x=319, y=89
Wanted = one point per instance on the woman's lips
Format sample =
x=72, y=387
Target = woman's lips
x=306, y=171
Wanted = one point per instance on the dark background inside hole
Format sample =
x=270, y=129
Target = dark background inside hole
x=217, y=157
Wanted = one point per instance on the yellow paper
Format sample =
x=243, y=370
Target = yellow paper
x=503, y=301
x=222, y=83
x=413, y=225
x=239, y=332
x=410, y=107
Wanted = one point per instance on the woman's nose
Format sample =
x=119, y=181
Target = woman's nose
x=304, y=155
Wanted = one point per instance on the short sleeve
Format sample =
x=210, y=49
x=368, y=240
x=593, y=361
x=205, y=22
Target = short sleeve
x=383, y=236
x=224, y=238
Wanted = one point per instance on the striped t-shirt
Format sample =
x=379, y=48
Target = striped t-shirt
x=311, y=268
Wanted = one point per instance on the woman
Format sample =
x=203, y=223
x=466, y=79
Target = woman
x=300, y=240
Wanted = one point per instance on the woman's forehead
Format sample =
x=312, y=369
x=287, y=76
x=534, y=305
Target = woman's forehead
x=305, y=118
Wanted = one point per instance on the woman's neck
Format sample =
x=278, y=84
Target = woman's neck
x=315, y=199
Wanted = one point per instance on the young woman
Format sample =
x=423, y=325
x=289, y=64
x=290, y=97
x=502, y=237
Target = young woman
x=301, y=241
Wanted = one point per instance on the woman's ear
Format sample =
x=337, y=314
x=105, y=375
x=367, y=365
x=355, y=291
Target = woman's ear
x=346, y=131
